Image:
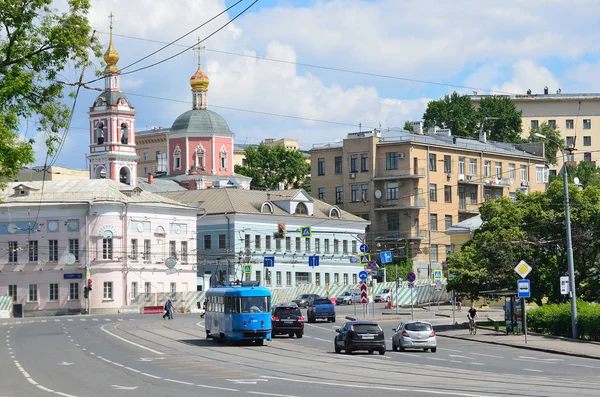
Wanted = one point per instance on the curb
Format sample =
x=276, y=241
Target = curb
x=541, y=349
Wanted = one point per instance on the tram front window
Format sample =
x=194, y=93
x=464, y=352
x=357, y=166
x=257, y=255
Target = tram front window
x=255, y=304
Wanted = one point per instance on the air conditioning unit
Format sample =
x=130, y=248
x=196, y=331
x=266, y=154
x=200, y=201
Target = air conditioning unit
x=352, y=175
x=486, y=181
x=524, y=183
x=461, y=177
x=400, y=155
x=469, y=177
x=449, y=175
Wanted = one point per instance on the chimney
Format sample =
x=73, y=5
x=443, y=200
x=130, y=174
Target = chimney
x=482, y=136
x=150, y=179
x=546, y=90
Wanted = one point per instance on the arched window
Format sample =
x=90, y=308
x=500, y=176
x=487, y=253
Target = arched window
x=125, y=176
x=223, y=155
x=100, y=133
x=301, y=209
x=199, y=160
x=267, y=208
x=124, y=132
x=335, y=212
x=177, y=158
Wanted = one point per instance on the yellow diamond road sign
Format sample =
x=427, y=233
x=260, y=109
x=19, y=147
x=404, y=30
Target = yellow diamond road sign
x=523, y=269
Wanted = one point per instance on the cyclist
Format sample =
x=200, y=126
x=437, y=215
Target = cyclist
x=472, y=316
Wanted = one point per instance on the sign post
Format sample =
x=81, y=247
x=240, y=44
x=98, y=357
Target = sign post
x=411, y=277
x=523, y=291
x=564, y=285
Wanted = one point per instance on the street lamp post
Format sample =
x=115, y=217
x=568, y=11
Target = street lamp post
x=571, y=268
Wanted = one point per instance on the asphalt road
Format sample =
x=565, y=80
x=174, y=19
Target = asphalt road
x=148, y=356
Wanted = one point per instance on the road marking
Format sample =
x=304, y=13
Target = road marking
x=472, y=363
x=324, y=340
x=247, y=381
x=269, y=394
x=199, y=324
x=584, y=366
x=120, y=319
x=540, y=359
x=150, y=359
x=486, y=355
x=150, y=375
x=94, y=319
x=179, y=381
x=107, y=319
x=132, y=369
x=130, y=342
x=44, y=388
x=82, y=319
x=459, y=356
x=451, y=350
x=438, y=359
x=69, y=319
x=65, y=363
x=532, y=370
x=57, y=321
x=117, y=387
x=455, y=361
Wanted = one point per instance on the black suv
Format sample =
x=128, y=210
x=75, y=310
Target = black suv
x=287, y=319
x=360, y=335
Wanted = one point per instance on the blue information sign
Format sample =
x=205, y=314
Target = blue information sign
x=386, y=256
x=523, y=288
x=364, y=248
x=313, y=260
x=72, y=275
x=363, y=275
x=269, y=261
x=411, y=277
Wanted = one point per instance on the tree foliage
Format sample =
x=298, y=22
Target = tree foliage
x=454, y=111
x=500, y=118
x=553, y=142
x=36, y=44
x=408, y=126
x=270, y=165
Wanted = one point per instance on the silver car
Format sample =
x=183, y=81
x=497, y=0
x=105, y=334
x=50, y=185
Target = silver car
x=414, y=335
x=348, y=298
x=384, y=296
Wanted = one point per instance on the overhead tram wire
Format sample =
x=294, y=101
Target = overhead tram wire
x=186, y=49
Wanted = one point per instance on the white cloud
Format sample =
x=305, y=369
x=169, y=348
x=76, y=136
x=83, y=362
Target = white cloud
x=528, y=75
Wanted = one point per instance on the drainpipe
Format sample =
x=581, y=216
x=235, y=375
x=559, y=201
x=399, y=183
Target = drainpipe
x=125, y=271
x=227, y=242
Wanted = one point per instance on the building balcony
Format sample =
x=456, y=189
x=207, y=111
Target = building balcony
x=469, y=208
x=466, y=179
x=504, y=182
x=395, y=235
x=399, y=204
x=401, y=173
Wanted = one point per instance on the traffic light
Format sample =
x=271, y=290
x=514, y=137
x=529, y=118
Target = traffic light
x=90, y=284
x=281, y=230
x=86, y=292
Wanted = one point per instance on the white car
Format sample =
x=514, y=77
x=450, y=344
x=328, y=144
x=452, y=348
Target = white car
x=384, y=296
x=414, y=335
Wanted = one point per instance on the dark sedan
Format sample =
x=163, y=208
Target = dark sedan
x=304, y=299
x=360, y=335
x=287, y=319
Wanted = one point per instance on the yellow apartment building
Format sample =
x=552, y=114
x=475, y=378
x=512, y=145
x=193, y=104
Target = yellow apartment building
x=54, y=173
x=239, y=155
x=577, y=116
x=415, y=186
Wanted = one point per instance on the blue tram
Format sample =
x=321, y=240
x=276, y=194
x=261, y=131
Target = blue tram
x=238, y=312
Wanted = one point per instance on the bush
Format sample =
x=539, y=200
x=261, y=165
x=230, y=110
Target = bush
x=555, y=319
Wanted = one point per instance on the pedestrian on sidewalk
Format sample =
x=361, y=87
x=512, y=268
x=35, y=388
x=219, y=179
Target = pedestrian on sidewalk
x=458, y=302
x=168, y=309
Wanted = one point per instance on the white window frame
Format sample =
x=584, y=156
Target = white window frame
x=73, y=291
x=511, y=171
x=541, y=174
x=107, y=289
x=53, y=292
x=487, y=168
x=32, y=293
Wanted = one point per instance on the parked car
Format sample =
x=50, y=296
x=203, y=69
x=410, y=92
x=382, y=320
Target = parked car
x=384, y=296
x=348, y=298
x=286, y=318
x=320, y=308
x=304, y=299
x=360, y=335
x=415, y=335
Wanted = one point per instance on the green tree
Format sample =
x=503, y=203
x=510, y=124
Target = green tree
x=271, y=165
x=36, y=44
x=408, y=126
x=454, y=111
x=553, y=142
x=500, y=118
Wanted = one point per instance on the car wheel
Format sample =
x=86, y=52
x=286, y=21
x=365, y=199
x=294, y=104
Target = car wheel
x=394, y=347
x=291, y=334
x=349, y=301
x=381, y=352
x=433, y=349
x=336, y=348
x=401, y=348
x=260, y=342
x=299, y=334
x=333, y=319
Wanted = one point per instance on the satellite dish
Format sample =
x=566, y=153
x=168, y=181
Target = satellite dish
x=12, y=228
x=171, y=262
x=377, y=194
x=576, y=180
x=69, y=259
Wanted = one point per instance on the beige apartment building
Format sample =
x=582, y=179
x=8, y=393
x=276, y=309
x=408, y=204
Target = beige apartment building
x=54, y=173
x=577, y=116
x=414, y=186
x=152, y=151
x=239, y=150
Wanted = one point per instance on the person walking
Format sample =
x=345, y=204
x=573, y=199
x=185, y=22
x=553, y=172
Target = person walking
x=170, y=309
x=166, y=309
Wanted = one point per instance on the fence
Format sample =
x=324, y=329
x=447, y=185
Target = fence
x=6, y=307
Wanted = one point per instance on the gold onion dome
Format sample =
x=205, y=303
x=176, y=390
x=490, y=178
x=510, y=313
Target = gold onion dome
x=199, y=81
x=111, y=57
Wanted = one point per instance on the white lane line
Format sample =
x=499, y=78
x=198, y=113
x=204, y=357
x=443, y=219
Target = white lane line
x=120, y=319
x=132, y=369
x=269, y=394
x=82, y=319
x=451, y=350
x=459, y=356
x=150, y=375
x=584, y=366
x=107, y=319
x=95, y=319
x=532, y=370
x=409, y=354
x=216, y=387
x=438, y=359
x=179, y=381
x=324, y=340
x=455, y=361
x=486, y=355
x=199, y=324
x=69, y=319
x=472, y=363
x=44, y=388
x=528, y=360
x=56, y=321
x=31, y=381
x=44, y=321
x=64, y=394
x=130, y=342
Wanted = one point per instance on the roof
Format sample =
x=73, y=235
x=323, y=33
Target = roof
x=112, y=98
x=467, y=226
x=83, y=191
x=220, y=201
x=200, y=121
x=543, y=97
x=159, y=185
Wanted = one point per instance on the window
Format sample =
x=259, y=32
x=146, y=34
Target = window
x=461, y=165
x=338, y=165
x=447, y=164
x=147, y=288
x=317, y=279
x=327, y=278
x=393, y=222
x=354, y=193
x=258, y=275
x=498, y=170
x=33, y=250
x=354, y=163
x=317, y=245
x=173, y=288
x=472, y=167
x=288, y=244
x=570, y=157
x=278, y=278
x=432, y=162
x=434, y=252
x=447, y=222
x=257, y=242
x=12, y=292
x=173, y=249
x=307, y=244
x=569, y=124
x=268, y=243
x=364, y=162
x=336, y=246
x=487, y=168
x=321, y=166
x=298, y=244
x=246, y=241
x=523, y=172
x=391, y=189
x=587, y=141
x=53, y=292
x=74, y=247
x=145, y=156
x=450, y=248
x=336, y=278
x=534, y=124
x=345, y=246
x=13, y=252
x=326, y=245
x=207, y=242
x=587, y=124
x=391, y=161
x=184, y=251
x=354, y=244
x=345, y=278
x=277, y=244
x=108, y=290
x=432, y=192
x=134, y=248
x=321, y=193
x=177, y=158
x=587, y=156
x=473, y=195
x=570, y=141
x=447, y=194
x=223, y=156
x=511, y=171
x=288, y=278
x=433, y=222
x=541, y=174
x=107, y=248
x=552, y=123
x=364, y=196
x=147, y=255
x=32, y=296
x=53, y=250
x=134, y=289
x=339, y=195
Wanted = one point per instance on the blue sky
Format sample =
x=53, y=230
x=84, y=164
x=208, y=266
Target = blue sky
x=497, y=45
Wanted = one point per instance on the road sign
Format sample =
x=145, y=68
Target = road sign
x=425, y=251
x=362, y=275
x=523, y=288
x=411, y=285
x=411, y=277
x=437, y=274
x=247, y=268
x=364, y=258
x=364, y=248
x=306, y=231
x=269, y=261
x=564, y=285
x=353, y=259
x=451, y=276
x=363, y=293
x=386, y=256
x=523, y=269
x=313, y=260
x=438, y=284
x=372, y=265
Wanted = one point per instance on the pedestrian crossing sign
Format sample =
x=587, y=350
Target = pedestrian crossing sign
x=306, y=231
x=437, y=274
x=247, y=268
x=364, y=258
